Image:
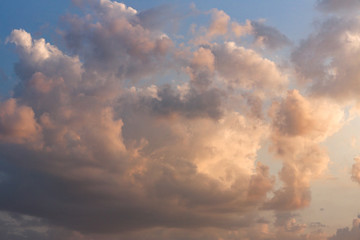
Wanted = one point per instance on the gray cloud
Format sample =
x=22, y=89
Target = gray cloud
x=195, y=105
x=98, y=155
x=244, y=68
x=338, y=6
x=265, y=36
x=327, y=60
x=121, y=44
x=95, y=144
x=348, y=233
x=269, y=36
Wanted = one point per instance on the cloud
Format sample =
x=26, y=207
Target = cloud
x=336, y=6
x=120, y=44
x=17, y=123
x=39, y=56
x=158, y=18
x=327, y=60
x=223, y=28
x=126, y=133
x=242, y=29
x=348, y=234
x=268, y=36
x=355, y=171
x=244, y=68
x=219, y=23
x=139, y=158
x=238, y=67
x=21, y=227
x=265, y=36
x=299, y=125
x=207, y=103
x=202, y=68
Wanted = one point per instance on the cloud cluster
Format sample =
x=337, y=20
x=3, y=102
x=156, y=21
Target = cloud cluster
x=245, y=69
x=116, y=41
x=129, y=157
x=328, y=59
x=128, y=133
x=222, y=27
x=299, y=125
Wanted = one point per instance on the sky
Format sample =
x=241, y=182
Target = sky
x=184, y=120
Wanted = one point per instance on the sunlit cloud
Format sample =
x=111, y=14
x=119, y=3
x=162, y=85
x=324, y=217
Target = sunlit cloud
x=123, y=131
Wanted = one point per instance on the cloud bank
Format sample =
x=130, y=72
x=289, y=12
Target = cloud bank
x=128, y=133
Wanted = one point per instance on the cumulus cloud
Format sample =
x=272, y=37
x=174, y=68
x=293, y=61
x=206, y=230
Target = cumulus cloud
x=224, y=28
x=268, y=36
x=327, y=60
x=120, y=43
x=201, y=69
x=126, y=133
x=264, y=35
x=219, y=23
x=242, y=29
x=245, y=69
x=17, y=123
x=299, y=125
x=129, y=156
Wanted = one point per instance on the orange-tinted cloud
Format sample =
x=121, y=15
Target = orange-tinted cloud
x=137, y=134
x=18, y=123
